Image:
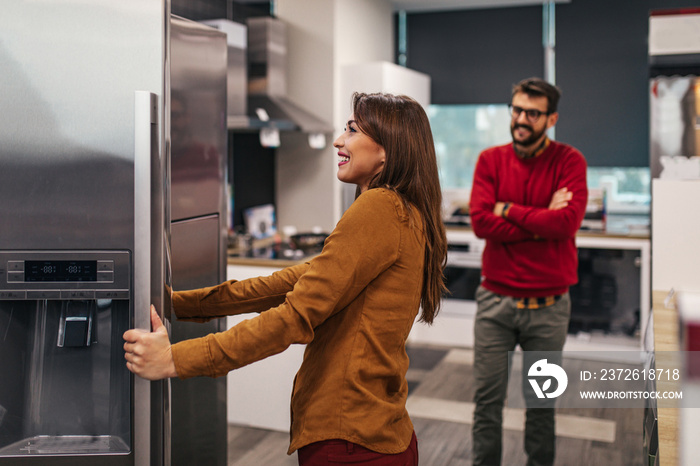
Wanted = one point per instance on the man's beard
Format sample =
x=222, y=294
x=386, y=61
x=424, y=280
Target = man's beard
x=534, y=136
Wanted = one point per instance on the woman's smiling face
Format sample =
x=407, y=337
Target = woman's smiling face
x=359, y=156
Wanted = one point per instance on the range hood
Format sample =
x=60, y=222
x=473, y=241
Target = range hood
x=279, y=112
x=268, y=107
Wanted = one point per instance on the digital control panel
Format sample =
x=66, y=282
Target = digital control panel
x=65, y=274
x=61, y=271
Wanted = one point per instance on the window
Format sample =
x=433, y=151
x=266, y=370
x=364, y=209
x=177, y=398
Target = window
x=627, y=189
x=461, y=132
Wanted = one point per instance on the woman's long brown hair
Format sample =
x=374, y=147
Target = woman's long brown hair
x=399, y=124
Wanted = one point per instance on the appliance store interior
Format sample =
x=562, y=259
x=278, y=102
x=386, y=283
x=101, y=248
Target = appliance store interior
x=253, y=175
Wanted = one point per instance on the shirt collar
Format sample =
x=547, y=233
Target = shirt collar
x=542, y=147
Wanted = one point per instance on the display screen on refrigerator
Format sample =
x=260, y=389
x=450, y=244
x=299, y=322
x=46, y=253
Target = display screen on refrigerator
x=60, y=271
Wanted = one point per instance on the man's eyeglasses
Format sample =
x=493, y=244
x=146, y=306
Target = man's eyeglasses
x=531, y=114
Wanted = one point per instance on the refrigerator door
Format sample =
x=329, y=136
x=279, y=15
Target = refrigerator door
x=152, y=275
x=199, y=229
x=83, y=87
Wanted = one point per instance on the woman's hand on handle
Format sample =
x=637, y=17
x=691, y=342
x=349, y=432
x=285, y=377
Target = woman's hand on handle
x=148, y=354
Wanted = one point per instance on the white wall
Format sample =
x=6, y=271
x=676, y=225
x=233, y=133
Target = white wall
x=364, y=33
x=381, y=76
x=675, y=233
x=323, y=35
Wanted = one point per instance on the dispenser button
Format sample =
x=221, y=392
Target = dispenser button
x=43, y=294
x=112, y=294
x=19, y=294
x=15, y=266
x=15, y=277
x=77, y=294
x=105, y=266
x=105, y=277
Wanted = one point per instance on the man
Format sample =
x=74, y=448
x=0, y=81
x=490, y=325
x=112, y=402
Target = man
x=528, y=200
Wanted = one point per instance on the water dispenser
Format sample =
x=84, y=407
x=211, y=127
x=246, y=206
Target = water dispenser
x=64, y=387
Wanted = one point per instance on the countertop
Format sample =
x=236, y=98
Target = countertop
x=617, y=226
x=269, y=253
x=264, y=262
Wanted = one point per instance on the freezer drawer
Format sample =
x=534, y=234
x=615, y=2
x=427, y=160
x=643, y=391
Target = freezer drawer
x=199, y=404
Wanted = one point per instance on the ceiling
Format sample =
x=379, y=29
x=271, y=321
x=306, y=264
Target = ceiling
x=435, y=5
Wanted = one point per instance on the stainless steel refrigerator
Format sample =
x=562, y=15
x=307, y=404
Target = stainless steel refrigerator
x=86, y=242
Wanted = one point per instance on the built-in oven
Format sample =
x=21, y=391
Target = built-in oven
x=462, y=273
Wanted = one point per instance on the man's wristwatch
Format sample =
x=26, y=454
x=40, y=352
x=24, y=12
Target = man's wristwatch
x=504, y=212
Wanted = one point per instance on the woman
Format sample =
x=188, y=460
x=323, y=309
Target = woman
x=353, y=305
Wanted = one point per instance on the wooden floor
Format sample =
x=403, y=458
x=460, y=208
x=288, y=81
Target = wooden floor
x=440, y=395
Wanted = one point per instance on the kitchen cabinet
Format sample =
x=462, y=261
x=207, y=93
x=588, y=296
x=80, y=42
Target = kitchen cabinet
x=624, y=260
x=623, y=293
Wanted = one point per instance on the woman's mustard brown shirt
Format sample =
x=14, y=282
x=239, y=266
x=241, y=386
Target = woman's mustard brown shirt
x=353, y=305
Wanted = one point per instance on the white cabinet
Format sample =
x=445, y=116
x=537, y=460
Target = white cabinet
x=259, y=394
x=630, y=267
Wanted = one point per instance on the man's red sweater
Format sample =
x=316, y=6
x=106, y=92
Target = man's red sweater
x=531, y=252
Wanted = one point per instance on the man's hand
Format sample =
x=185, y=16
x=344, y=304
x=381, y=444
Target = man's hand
x=148, y=354
x=560, y=199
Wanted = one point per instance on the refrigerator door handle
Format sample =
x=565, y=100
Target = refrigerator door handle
x=145, y=117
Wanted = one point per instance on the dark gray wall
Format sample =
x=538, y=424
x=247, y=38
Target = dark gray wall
x=601, y=67
x=252, y=174
x=475, y=56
